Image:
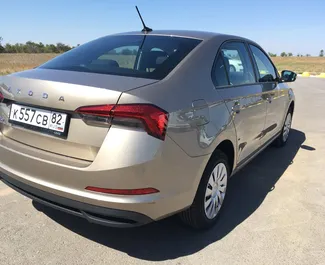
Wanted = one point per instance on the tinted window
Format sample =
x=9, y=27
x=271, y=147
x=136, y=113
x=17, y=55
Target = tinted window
x=265, y=67
x=127, y=55
x=219, y=73
x=238, y=64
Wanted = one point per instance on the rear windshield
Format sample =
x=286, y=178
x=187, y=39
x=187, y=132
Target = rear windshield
x=127, y=55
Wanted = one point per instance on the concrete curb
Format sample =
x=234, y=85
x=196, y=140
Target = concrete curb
x=307, y=74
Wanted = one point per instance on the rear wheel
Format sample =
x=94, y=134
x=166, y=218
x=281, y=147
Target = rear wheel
x=210, y=195
x=284, y=136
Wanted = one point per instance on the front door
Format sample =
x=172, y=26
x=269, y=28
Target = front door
x=242, y=95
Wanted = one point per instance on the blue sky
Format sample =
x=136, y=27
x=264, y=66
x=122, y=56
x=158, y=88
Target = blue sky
x=279, y=25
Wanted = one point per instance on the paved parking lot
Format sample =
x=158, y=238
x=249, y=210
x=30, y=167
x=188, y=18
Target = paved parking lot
x=275, y=213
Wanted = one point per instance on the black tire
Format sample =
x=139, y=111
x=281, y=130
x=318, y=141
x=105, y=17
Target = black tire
x=195, y=216
x=232, y=68
x=280, y=141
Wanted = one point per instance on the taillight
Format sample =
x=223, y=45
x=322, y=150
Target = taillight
x=153, y=119
x=1, y=97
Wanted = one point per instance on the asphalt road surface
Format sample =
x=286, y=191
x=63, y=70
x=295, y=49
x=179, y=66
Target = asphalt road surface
x=275, y=213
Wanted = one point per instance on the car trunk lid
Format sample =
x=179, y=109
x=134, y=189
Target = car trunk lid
x=63, y=92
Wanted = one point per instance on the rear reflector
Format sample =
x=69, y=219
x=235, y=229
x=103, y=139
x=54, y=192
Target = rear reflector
x=1, y=97
x=143, y=191
x=153, y=119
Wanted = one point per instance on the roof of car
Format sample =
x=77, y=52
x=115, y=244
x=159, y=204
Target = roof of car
x=203, y=35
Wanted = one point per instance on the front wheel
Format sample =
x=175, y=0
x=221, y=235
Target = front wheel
x=285, y=132
x=210, y=195
x=232, y=68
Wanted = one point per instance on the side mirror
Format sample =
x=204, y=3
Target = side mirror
x=288, y=76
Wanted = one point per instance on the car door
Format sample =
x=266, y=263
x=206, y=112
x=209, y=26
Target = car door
x=274, y=93
x=242, y=95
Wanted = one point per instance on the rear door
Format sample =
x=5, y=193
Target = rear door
x=242, y=95
x=275, y=94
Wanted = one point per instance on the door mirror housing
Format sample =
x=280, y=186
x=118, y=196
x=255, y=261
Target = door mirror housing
x=288, y=76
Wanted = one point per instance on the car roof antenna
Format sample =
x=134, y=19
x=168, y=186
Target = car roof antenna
x=145, y=28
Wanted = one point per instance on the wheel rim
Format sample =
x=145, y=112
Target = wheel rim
x=286, y=128
x=215, y=191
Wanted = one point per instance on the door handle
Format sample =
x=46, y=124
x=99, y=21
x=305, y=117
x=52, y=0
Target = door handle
x=236, y=107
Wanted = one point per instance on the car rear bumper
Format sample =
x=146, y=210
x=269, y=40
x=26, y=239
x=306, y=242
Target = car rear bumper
x=169, y=170
x=93, y=213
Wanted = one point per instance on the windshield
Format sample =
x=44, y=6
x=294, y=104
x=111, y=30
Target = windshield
x=127, y=55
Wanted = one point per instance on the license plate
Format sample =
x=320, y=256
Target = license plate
x=50, y=122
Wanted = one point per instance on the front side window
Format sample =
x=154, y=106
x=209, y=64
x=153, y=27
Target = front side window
x=238, y=64
x=127, y=55
x=265, y=68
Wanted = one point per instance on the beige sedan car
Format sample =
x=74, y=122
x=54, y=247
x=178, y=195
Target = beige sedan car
x=134, y=127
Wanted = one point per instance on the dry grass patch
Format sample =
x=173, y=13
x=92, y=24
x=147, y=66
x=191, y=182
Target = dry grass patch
x=314, y=65
x=10, y=63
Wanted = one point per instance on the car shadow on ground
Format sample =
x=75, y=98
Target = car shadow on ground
x=168, y=239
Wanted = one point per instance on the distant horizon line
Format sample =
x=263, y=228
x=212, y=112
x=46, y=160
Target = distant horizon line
x=3, y=44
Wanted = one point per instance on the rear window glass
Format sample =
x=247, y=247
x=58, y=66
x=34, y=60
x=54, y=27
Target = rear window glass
x=127, y=55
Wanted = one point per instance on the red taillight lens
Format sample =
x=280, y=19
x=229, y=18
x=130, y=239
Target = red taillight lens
x=143, y=191
x=153, y=119
x=102, y=111
x=1, y=97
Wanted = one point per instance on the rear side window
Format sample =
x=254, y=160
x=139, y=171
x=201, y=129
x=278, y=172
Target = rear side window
x=219, y=73
x=237, y=63
x=265, y=68
x=146, y=56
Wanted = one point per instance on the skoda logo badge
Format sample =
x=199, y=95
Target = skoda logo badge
x=18, y=91
x=61, y=98
x=30, y=93
x=45, y=96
